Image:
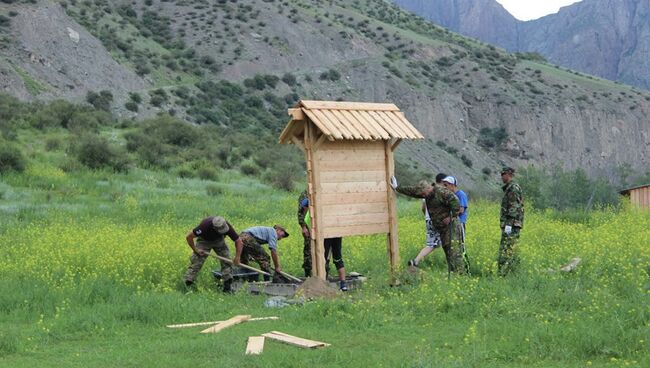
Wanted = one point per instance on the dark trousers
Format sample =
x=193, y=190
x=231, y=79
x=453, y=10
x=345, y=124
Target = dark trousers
x=333, y=251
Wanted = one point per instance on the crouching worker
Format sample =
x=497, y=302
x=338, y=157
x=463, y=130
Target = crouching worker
x=253, y=238
x=209, y=235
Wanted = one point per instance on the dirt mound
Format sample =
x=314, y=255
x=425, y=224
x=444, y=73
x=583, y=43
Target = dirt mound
x=314, y=287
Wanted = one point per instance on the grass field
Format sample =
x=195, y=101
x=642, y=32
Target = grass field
x=91, y=267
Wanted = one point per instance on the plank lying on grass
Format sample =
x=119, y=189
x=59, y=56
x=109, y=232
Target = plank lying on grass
x=227, y=323
x=183, y=325
x=294, y=340
x=255, y=345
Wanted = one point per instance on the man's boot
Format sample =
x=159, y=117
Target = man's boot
x=227, y=286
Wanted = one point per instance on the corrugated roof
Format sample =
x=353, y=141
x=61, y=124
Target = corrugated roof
x=626, y=191
x=354, y=121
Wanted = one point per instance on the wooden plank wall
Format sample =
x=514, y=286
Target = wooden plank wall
x=353, y=188
x=640, y=197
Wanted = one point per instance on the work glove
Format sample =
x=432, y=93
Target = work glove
x=393, y=182
x=507, y=229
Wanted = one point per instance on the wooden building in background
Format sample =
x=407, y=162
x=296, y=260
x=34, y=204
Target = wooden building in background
x=349, y=151
x=639, y=196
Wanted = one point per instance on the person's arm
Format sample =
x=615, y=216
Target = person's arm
x=276, y=260
x=239, y=245
x=303, y=207
x=410, y=191
x=190, y=241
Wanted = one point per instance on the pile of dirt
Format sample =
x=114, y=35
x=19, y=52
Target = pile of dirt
x=315, y=287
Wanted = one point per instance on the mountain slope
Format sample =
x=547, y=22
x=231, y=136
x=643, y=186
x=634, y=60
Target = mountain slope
x=458, y=93
x=606, y=38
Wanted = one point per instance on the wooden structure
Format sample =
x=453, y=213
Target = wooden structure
x=639, y=196
x=349, y=150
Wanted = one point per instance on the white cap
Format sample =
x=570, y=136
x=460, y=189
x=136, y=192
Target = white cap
x=450, y=180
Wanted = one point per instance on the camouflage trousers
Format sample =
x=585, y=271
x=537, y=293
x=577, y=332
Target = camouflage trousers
x=253, y=251
x=453, y=243
x=508, y=259
x=306, y=255
x=196, y=261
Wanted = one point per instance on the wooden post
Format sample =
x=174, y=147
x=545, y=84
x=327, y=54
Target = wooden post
x=317, y=242
x=393, y=246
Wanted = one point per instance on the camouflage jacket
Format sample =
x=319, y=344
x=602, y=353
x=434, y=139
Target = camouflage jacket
x=302, y=210
x=512, y=206
x=441, y=203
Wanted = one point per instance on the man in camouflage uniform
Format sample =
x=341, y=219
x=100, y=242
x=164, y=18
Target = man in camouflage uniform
x=253, y=238
x=303, y=209
x=443, y=207
x=209, y=235
x=512, y=221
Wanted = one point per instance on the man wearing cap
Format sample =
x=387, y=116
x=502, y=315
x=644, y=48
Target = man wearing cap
x=443, y=207
x=254, y=237
x=451, y=183
x=512, y=221
x=209, y=235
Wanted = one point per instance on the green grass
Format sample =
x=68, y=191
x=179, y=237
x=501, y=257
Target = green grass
x=93, y=261
x=33, y=86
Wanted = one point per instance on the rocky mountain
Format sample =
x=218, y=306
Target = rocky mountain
x=606, y=38
x=478, y=106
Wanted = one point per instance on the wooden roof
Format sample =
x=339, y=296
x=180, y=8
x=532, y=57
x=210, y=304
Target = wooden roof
x=351, y=121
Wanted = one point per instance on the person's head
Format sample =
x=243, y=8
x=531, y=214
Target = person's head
x=450, y=183
x=507, y=173
x=439, y=177
x=280, y=232
x=424, y=187
x=220, y=225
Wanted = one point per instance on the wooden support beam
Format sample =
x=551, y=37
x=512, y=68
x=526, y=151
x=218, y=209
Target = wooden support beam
x=320, y=141
x=392, y=241
x=394, y=144
x=298, y=143
x=227, y=323
x=255, y=345
x=294, y=340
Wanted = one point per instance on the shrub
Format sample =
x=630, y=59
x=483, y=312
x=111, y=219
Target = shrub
x=101, y=100
x=466, y=161
x=131, y=106
x=207, y=173
x=53, y=143
x=96, y=152
x=289, y=79
x=486, y=171
x=11, y=158
x=248, y=167
x=492, y=137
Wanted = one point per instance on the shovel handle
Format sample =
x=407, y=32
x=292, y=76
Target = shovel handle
x=228, y=260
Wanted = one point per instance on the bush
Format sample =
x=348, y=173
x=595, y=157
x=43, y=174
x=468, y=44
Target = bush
x=289, y=79
x=466, y=161
x=248, y=167
x=11, y=158
x=131, y=106
x=214, y=190
x=492, y=137
x=101, y=100
x=207, y=173
x=96, y=152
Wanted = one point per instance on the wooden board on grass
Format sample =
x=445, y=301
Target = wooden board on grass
x=255, y=345
x=227, y=323
x=183, y=325
x=294, y=340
